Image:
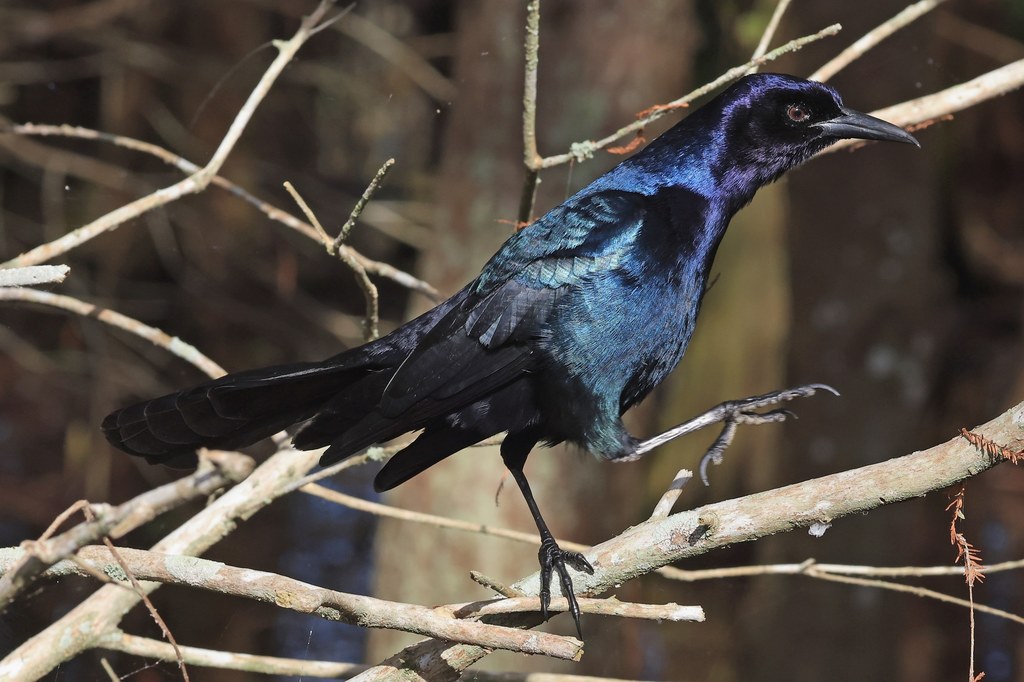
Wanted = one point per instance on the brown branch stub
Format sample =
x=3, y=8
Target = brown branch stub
x=630, y=146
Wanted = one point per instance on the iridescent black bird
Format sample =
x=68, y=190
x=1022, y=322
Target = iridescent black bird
x=573, y=321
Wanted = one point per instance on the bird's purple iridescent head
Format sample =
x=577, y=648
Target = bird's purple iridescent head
x=771, y=122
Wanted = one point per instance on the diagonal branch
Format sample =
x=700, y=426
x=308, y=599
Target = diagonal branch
x=328, y=604
x=872, y=38
x=923, y=111
x=213, y=474
x=198, y=181
x=658, y=542
x=185, y=166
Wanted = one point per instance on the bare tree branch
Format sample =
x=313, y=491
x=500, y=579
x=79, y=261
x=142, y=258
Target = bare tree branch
x=330, y=604
x=194, y=183
x=171, y=344
x=769, y=32
x=31, y=276
x=213, y=474
x=272, y=665
x=872, y=38
x=274, y=213
x=924, y=111
x=658, y=542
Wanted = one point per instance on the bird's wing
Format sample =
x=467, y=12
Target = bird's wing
x=483, y=343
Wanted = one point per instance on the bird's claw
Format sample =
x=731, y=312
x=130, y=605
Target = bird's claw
x=744, y=412
x=553, y=559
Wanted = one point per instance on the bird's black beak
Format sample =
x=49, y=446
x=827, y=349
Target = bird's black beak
x=853, y=124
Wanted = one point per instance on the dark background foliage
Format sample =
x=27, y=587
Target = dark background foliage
x=895, y=276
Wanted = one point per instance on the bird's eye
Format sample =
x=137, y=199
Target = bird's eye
x=797, y=113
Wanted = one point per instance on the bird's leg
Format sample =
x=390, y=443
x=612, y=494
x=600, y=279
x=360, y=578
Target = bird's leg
x=552, y=557
x=731, y=413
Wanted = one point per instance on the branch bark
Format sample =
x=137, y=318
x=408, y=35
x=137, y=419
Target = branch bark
x=195, y=182
x=659, y=542
x=328, y=604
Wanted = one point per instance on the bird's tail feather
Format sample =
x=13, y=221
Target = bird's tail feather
x=428, y=449
x=227, y=413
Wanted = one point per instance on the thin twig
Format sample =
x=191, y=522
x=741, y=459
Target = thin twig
x=272, y=665
x=387, y=511
x=873, y=38
x=184, y=165
x=495, y=585
x=171, y=344
x=117, y=521
x=833, y=569
x=580, y=151
x=147, y=648
x=346, y=229
x=194, y=183
x=150, y=607
x=917, y=591
x=105, y=664
x=371, y=321
x=769, y=32
x=668, y=500
x=75, y=507
x=308, y=212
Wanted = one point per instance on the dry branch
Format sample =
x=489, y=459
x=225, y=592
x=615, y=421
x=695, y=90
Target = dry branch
x=658, y=542
x=85, y=625
x=212, y=475
x=31, y=276
x=272, y=665
x=184, y=165
x=172, y=344
x=328, y=604
x=923, y=111
x=194, y=183
x=872, y=38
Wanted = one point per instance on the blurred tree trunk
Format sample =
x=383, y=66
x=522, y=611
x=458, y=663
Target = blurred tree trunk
x=600, y=62
x=867, y=311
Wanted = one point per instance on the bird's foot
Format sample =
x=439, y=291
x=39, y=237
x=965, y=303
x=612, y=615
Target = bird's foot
x=553, y=559
x=744, y=411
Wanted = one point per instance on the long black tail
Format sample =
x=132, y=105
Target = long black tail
x=227, y=413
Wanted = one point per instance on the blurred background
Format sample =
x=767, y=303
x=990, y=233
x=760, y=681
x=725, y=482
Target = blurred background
x=892, y=274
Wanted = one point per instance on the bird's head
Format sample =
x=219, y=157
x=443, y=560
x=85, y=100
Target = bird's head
x=769, y=123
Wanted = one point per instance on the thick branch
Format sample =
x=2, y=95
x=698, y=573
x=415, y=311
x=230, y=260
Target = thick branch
x=85, y=625
x=658, y=542
x=212, y=475
x=306, y=598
